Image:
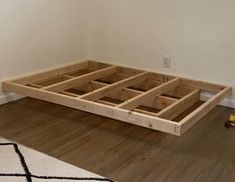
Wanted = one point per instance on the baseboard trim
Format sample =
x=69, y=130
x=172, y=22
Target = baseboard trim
x=4, y=99
x=225, y=102
x=228, y=103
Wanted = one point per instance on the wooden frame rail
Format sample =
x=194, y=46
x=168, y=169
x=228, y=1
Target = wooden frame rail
x=150, y=100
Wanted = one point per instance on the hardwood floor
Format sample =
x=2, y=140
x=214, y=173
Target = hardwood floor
x=120, y=151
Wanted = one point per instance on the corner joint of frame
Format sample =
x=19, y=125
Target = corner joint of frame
x=178, y=130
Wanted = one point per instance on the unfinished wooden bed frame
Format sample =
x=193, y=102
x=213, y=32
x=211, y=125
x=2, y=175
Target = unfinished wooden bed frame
x=157, y=101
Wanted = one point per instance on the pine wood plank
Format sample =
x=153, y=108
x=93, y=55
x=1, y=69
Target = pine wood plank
x=180, y=106
x=115, y=87
x=149, y=95
x=197, y=114
x=67, y=84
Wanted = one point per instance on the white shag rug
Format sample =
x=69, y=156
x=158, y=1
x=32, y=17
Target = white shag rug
x=21, y=164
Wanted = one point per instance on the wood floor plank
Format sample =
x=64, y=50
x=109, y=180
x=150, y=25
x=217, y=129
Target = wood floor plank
x=120, y=151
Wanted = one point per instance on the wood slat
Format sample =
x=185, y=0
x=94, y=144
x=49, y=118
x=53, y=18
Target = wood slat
x=129, y=92
x=202, y=85
x=35, y=85
x=106, y=102
x=160, y=102
x=70, y=94
x=115, y=87
x=146, y=112
x=67, y=84
x=149, y=95
x=51, y=73
x=180, y=106
x=197, y=114
x=68, y=76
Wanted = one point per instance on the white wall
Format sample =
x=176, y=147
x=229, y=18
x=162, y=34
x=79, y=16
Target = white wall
x=198, y=35
x=39, y=34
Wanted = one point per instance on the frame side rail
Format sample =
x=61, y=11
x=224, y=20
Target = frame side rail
x=197, y=114
x=50, y=73
x=96, y=108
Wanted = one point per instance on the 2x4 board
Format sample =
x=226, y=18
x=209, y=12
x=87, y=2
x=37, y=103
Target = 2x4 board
x=157, y=101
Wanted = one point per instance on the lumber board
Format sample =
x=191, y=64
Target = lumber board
x=204, y=109
x=160, y=102
x=202, y=85
x=145, y=112
x=180, y=106
x=146, y=99
x=115, y=87
x=51, y=73
x=149, y=95
x=67, y=84
x=96, y=108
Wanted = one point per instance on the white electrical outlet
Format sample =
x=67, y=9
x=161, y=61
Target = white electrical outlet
x=166, y=61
